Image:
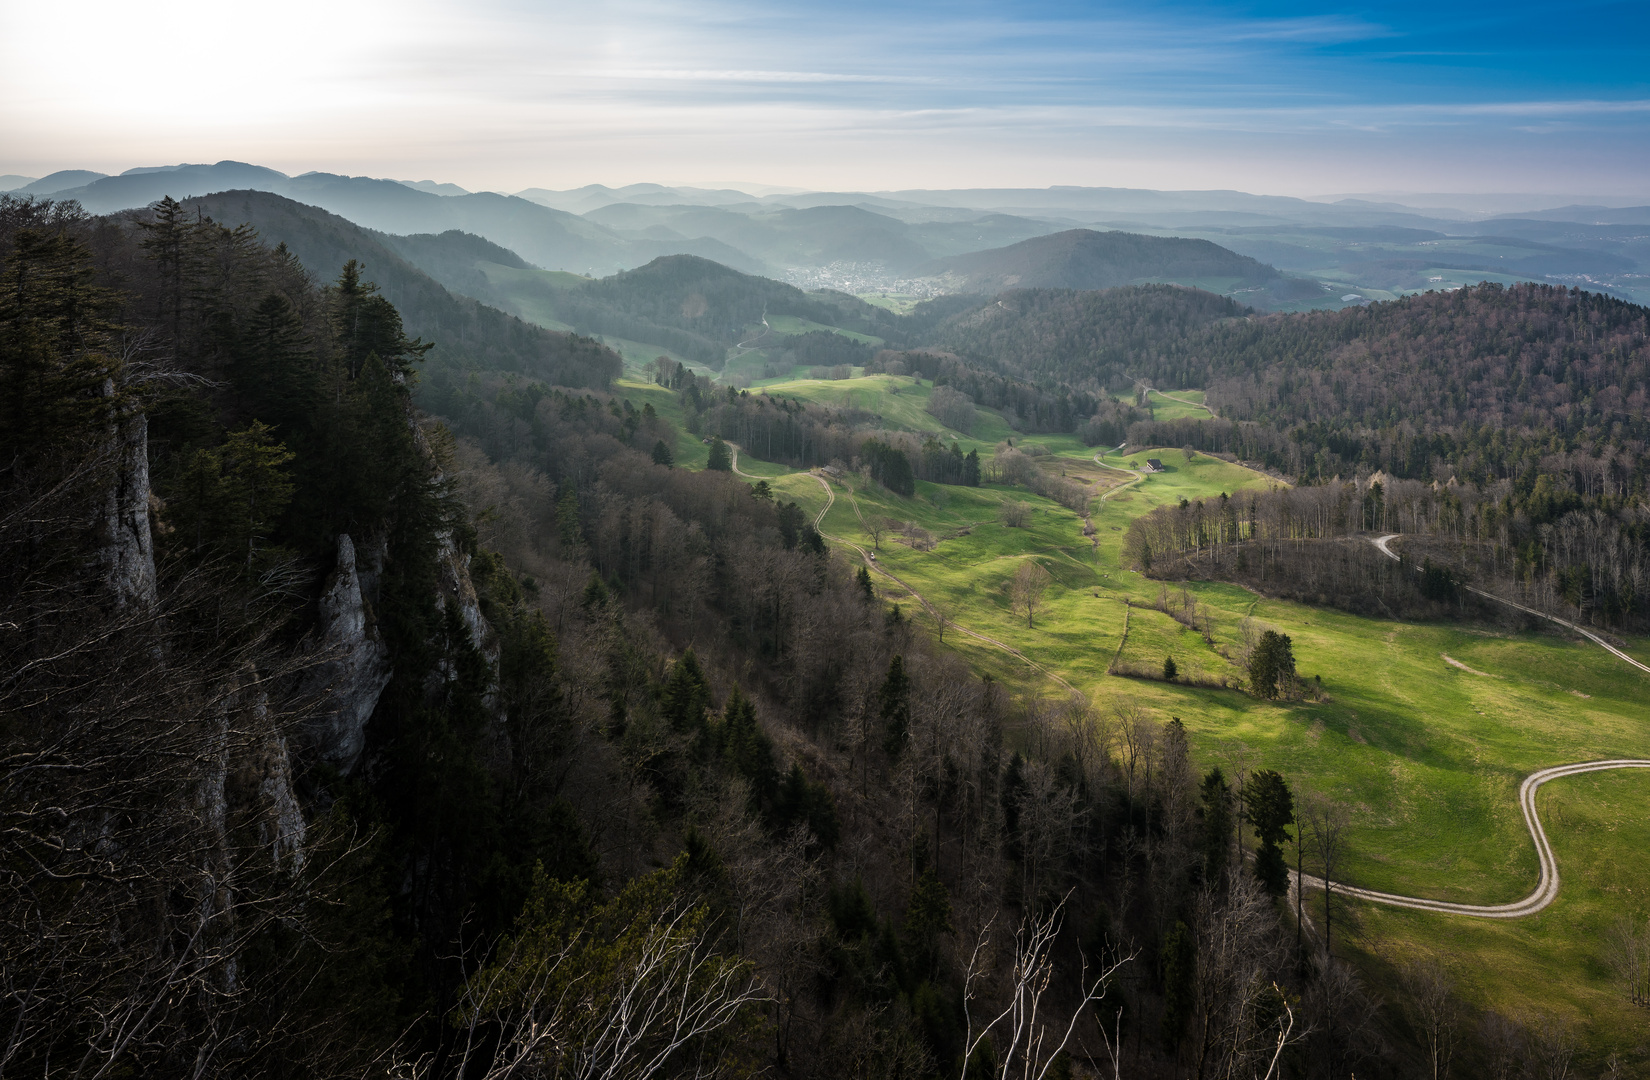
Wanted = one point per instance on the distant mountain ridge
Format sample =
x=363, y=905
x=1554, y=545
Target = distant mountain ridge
x=549, y=238
x=867, y=242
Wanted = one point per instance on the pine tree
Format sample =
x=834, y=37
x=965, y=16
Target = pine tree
x=720, y=459
x=1216, y=798
x=927, y=916
x=894, y=706
x=59, y=383
x=1169, y=669
x=255, y=487
x=365, y=324
x=275, y=374
x=1272, y=665
x=662, y=454
x=1179, y=984
x=686, y=695
x=567, y=517
x=1270, y=808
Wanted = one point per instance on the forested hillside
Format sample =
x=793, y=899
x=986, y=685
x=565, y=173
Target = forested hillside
x=460, y=326
x=701, y=308
x=1517, y=416
x=1089, y=340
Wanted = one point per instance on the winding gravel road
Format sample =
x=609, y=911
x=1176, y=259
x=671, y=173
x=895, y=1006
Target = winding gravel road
x=1546, y=889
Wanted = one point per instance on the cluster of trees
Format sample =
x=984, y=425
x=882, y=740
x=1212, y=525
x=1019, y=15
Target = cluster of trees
x=953, y=408
x=1481, y=379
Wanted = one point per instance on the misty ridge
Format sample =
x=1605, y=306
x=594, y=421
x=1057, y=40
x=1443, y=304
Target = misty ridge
x=1314, y=254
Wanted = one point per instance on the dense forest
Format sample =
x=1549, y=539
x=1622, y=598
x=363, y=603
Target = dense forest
x=1092, y=341
x=343, y=741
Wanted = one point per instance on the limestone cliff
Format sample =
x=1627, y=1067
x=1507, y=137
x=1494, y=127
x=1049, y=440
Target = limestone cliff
x=355, y=667
x=127, y=553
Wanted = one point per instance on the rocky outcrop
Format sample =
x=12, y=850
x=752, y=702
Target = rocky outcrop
x=127, y=553
x=458, y=590
x=354, y=670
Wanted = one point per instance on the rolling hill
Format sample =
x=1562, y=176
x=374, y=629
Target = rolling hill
x=1085, y=259
x=462, y=328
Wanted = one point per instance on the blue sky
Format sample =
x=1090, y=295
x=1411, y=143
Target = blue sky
x=1279, y=98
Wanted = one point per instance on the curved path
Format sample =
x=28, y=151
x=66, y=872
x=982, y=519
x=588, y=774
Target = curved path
x=1546, y=889
x=1138, y=476
x=1382, y=542
x=750, y=346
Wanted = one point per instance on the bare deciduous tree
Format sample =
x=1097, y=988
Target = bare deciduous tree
x=874, y=527
x=1627, y=948
x=1552, y=1049
x=1504, y=1045
x=1027, y=589
x=573, y=998
x=1325, y=825
x=1437, y=1014
x=1031, y=1043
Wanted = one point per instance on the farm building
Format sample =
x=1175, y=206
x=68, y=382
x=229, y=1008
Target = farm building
x=1154, y=464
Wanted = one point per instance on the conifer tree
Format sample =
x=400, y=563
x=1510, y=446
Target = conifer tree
x=1216, y=798
x=57, y=370
x=686, y=695
x=1270, y=808
x=255, y=487
x=894, y=706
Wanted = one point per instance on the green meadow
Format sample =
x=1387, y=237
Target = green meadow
x=1425, y=756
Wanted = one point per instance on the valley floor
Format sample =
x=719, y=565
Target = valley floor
x=1425, y=732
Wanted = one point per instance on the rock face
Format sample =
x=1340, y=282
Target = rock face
x=355, y=670
x=458, y=590
x=127, y=554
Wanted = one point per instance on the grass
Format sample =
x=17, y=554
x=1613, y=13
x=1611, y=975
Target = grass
x=898, y=303
x=1184, y=403
x=791, y=324
x=899, y=401
x=1426, y=757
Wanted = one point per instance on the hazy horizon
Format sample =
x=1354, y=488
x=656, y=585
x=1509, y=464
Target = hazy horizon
x=1276, y=98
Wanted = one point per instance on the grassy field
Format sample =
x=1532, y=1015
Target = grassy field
x=900, y=401
x=1184, y=403
x=898, y=303
x=1425, y=756
x=792, y=324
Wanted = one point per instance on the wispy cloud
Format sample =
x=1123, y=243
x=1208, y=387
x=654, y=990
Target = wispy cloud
x=512, y=92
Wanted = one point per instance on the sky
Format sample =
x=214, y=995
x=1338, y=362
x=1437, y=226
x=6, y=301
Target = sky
x=1277, y=98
